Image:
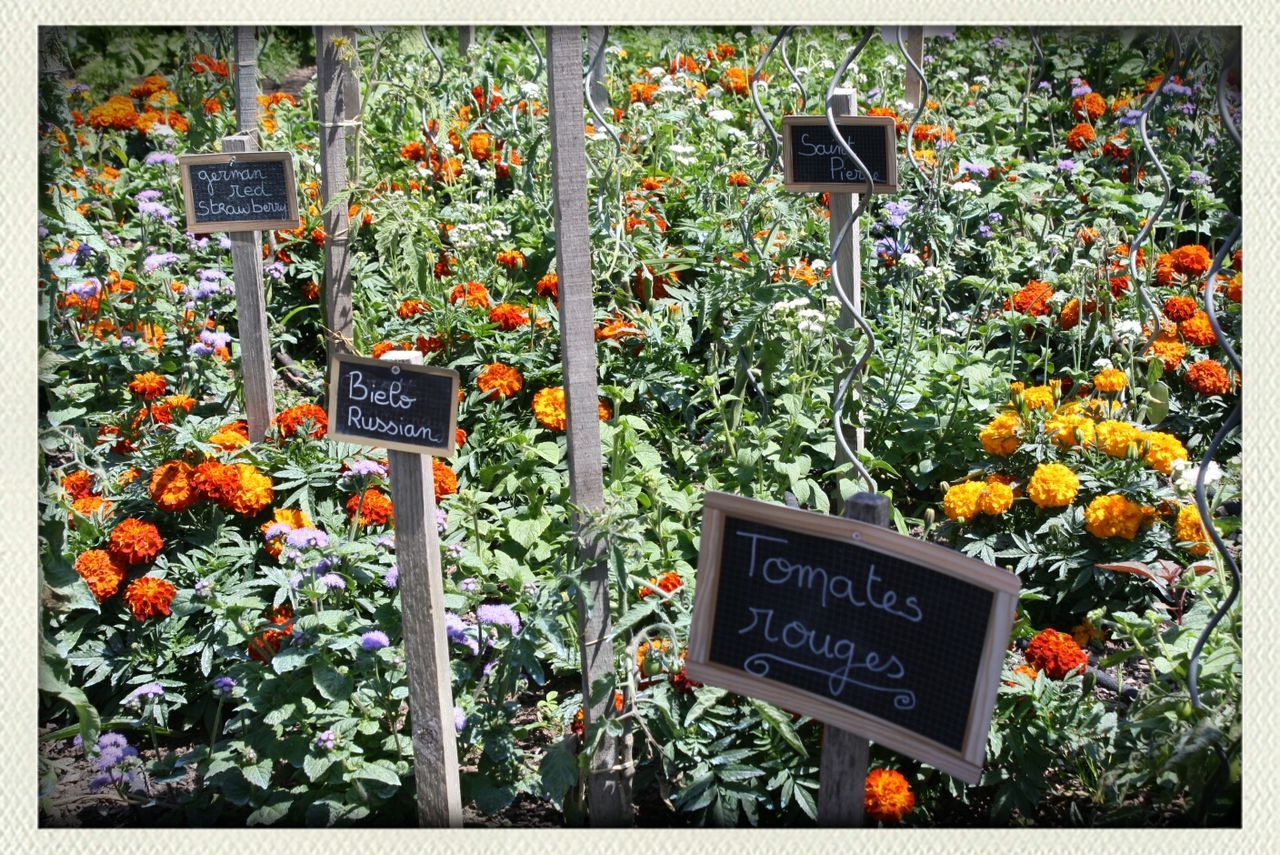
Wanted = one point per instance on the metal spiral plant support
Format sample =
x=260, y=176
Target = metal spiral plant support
x=537, y=51
x=1024, y=105
x=791, y=72
x=1144, y=297
x=426, y=125
x=593, y=65
x=1232, y=422
x=837, y=280
x=924, y=99
x=775, y=141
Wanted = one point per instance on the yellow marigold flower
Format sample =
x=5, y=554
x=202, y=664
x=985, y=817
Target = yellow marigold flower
x=1068, y=430
x=255, y=491
x=1000, y=437
x=1189, y=529
x=548, y=407
x=1110, y=380
x=1162, y=450
x=1114, y=437
x=1085, y=632
x=293, y=518
x=961, y=501
x=1053, y=485
x=996, y=498
x=1035, y=397
x=1115, y=516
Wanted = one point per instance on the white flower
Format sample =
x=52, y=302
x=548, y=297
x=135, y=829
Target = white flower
x=1126, y=330
x=818, y=265
x=681, y=149
x=910, y=259
x=528, y=89
x=736, y=132
x=827, y=65
x=966, y=187
x=934, y=275
x=1102, y=363
x=1058, y=299
x=952, y=74
x=720, y=115
x=1185, y=474
x=657, y=71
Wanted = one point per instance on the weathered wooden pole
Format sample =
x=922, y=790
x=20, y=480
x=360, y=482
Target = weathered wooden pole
x=915, y=49
x=842, y=205
x=842, y=771
x=351, y=102
x=426, y=647
x=332, y=67
x=606, y=798
x=247, y=80
x=466, y=40
x=251, y=315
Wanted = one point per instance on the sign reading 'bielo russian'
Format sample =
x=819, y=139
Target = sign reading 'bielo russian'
x=813, y=160
x=894, y=639
x=393, y=405
x=239, y=192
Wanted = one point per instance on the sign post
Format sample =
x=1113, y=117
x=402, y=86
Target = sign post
x=242, y=191
x=412, y=411
x=247, y=80
x=859, y=627
x=332, y=93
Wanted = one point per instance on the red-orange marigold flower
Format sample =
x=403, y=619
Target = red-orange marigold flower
x=738, y=179
x=499, y=381
x=149, y=597
x=548, y=407
x=1198, y=330
x=1080, y=136
x=1191, y=261
x=888, y=796
x=148, y=385
x=101, y=572
x=1180, y=308
x=376, y=509
x=666, y=583
x=1089, y=106
x=1208, y=377
x=1055, y=653
x=409, y=308
x=549, y=286
x=172, y=487
x=446, y=479
x=480, y=145
x=509, y=316
x=1031, y=299
x=134, y=541
x=511, y=258
x=78, y=484
x=473, y=293
x=291, y=421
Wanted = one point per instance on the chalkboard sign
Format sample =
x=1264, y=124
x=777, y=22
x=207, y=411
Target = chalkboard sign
x=240, y=192
x=812, y=159
x=891, y=638
x=393, y=404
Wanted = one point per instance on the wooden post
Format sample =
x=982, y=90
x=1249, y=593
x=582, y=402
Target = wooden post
x=845, y=103
x=842, y=771
x=247, y=81
x=595, y=44
x=251, y=315
x=466, y=40
x=330, y=46
x=915, y=49
x=351, y=103
x=426, y=647
x=607, y=801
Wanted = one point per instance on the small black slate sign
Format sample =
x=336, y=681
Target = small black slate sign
x=888, y=637
x=393, y=404
x=814, y=161
x=239, y=192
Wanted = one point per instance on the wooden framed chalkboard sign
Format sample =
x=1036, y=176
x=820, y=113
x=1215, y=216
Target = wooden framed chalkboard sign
x=239, y=192
x=894, y=639
x=393, y=404
x=812, y=159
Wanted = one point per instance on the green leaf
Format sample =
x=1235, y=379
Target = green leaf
x=291, y=658
x=332, y=685
x=558, y=772
x=780, y=722
x=525, y=531
x=276, y=809
x=258, y=774
x=377, y=771
x=315, y=766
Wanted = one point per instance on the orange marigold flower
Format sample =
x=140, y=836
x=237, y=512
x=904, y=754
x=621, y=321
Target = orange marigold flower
x=90, y=505
x=549, y=286
x=511, y=259
x=509, y=316
x=548, y=407
x=429, y=344
x=101, y=572
x=149, y=597
x=231, y=436
x=1187, y=529
x=667, y=583
x=604, y=410
x=252, y=493
x=1198, y=330
x=1028, y=671
x=1208, y=377
x=149, y=86
x=134, y=541
x=735, y=80
x=212, y=106
x=1180, y=308
x=1089, y=107
x=266, y=644
x=172, y=488
x=1056, y=654
x=148, y=385
x=1168, y=348
x=1162, y=450
x=117, y=113
x=409, y=308
x=292, y=518
x=172, y=118
x=414, y=150
x=216, y=481
x=499, y=381
x=888, y=796
x=380, y=348
x=1115, y=516
x=1031, y=299
x=78, y=484
x=480, y=145
x=1052, y=485
x=1000, y=437
x=374, y=506
x=292, y=420
x=1110, y=380
x=618, y=327
x=738, y=179
x=642, y=92
x=1080, y=136
x=1234, y=289
x=446, y=480
x=1191, y=261
x=459, y=437
x=962, y=500
x=180, y=402
x=473, y=293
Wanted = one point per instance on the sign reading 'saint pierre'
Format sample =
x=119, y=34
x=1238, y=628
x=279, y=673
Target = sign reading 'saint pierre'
x=239, y=192
x=393, y=405
x=813, y=160
x=891, y=638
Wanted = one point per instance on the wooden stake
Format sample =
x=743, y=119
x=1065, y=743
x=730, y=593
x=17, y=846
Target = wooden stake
x=915, y=49
x=466, y=40
x=247, y=81
x=845, y=103
x=331, y=68
x=607, y=800
x=842, y=771
x=351, y=102
x=251, y=315
x=426, y=647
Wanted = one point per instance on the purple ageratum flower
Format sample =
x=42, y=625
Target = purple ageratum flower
x=147, y=196
x=83, y=253
x=457, y=631
x=275, y=530
x=223, y=685
x=155, y=211
x=42, y=232
x=224, y=242
x=1174, y=88
x=1129, y=118
x=890, y=247
x=459, y=719
x=110, y=239
x=127, y=342
x=392, y=577
x=499, y=615
x=146, y=690
x=442, y=520
x=196, y=243
x=1081, y=90
x=199, y=349
x=112, y=738
x=211, y=274
x=1188, y=108
x=1068, y=166
x=455, y=550
x=204, y=290
x=374, y=640
x=1044, y=86
x=77, y=89
x=996, y=42
x=203, y=589
x=160, y=158
x=873, y=94
x=85, y=290
x=215, y=339
x=156, y=260
x=1211, y=141
x=469, y=585
x=897, y=212
x=1198, y=178
x=984, y=231
x=301, y=538
x=334, y=582
x=326, y=740
x=976, y=169
x=386, y=541
x=995, y=217
x=275, y=270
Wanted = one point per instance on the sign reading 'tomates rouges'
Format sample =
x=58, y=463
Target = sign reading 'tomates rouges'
x=813, y=160
x=393, y=405
x=894, y=639
x=239, y=192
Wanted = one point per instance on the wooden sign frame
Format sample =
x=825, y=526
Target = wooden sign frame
x=891, y=162
x=187, y=161
x=446, y=450
x=965, y=764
